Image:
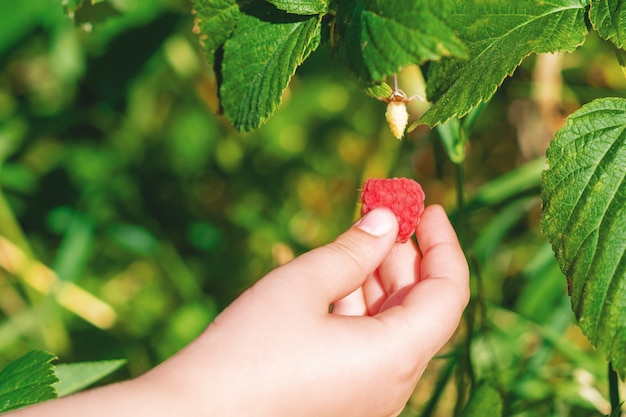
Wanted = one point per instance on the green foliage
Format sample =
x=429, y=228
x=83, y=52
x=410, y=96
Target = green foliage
x=498, y=36
x=264, y=44
x=609, y=19
x=27, y=380
x=454, y=134
x=584, y=195
x=380, y=37
x=24, y=17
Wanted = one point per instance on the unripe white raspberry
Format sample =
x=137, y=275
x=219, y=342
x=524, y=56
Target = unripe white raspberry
x=397, y=115
x=397, y=118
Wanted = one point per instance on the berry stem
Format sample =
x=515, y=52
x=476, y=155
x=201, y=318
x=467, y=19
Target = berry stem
x=460, y=200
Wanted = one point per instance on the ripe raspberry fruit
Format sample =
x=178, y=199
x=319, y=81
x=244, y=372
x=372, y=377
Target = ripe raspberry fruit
x=403, y=196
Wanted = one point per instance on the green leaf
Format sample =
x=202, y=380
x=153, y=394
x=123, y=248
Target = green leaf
x=18, y=19
x=584, y=213
x=499, y=35
x=453, y=140
x=379, y=37
x=609, y=19
x=72, y=5
x=305, y=7
x=27, y=380
x=133, y=238
x=95, y=12
x=376, y=89
x=514, y=183
x=485, y=401
x=74, y=377
x=260, y=59
x=75, y=249
x=215, y=22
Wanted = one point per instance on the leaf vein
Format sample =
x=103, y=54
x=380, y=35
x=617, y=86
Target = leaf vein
x=599, y=166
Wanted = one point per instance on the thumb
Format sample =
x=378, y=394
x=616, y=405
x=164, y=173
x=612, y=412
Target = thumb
x=333, y=271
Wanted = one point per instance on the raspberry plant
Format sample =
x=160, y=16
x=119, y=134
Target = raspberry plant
x=466, y=50
x=107, y=96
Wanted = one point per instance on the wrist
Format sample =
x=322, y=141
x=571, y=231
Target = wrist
x=193, y=383
x=167, y=393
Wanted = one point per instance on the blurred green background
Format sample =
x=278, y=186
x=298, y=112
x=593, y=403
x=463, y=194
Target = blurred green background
x=131, y=213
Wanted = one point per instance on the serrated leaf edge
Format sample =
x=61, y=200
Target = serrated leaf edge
x=487, y=96
x=311, y=45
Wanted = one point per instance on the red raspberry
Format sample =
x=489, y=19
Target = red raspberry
x=403, y=196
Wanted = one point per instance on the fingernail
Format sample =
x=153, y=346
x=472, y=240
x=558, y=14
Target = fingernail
x=377, y=222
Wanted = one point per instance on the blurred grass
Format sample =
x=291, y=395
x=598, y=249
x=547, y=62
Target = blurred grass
x=134, y=213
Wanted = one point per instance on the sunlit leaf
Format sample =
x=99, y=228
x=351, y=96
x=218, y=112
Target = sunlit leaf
x=260, y=59
x=300, y=6
x=584, y=218
x=377, y=89
x=499, y=35
x=27, y=380
x=609, y=19
x=215, y=22
x=74, y=377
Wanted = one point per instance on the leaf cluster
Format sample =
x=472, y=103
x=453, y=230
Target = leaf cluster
x=257, y=47
x=466, y=48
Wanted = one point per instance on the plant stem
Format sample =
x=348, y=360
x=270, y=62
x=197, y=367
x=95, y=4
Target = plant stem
x=466, y=361
x=613, y=391
x=440, y=385
x=621, y=59
x=52, y=330
x=466, y=378
x=460, y=200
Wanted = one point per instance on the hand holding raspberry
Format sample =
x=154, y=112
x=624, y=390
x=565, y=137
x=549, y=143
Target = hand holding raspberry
x=403, y=196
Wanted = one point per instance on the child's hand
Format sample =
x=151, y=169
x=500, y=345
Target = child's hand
x=277, y=351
